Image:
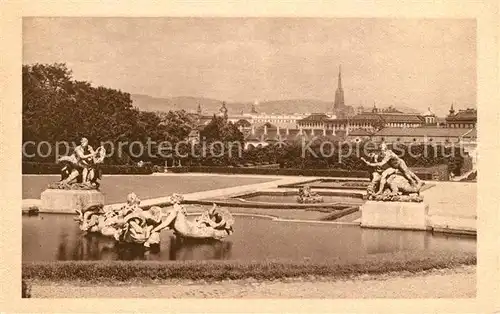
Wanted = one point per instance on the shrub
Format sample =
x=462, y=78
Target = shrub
x=157, y=168
x=53, y=168
x=273, y=171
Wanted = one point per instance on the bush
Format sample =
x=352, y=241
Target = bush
x=274, y=171
x=157, y=168
x=53, y=168
x=412, y=261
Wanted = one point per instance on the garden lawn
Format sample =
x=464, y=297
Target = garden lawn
x=127, y=271
x=116, y=188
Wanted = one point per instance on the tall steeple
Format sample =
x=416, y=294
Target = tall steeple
x=339, y=96
x=340, y=78
x=199, y=110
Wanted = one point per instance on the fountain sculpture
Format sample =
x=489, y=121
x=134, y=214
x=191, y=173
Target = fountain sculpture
x=79, y=184
x=306, y=196
x=132, y=224
x=391, y=179
x=393, y=195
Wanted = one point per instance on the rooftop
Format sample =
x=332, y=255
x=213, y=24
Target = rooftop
x=461, y=115
x=315, y=117
x=420, y=132
x=359, y=132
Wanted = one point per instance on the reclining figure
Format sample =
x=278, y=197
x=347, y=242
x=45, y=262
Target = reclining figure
x=132, y=224
x=306, y=196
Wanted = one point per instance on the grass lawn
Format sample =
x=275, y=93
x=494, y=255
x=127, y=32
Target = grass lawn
x=126, y=271
x=116, y=188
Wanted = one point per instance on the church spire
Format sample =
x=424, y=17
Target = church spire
x=340, y=77
x=199, y=109
x=338, y=105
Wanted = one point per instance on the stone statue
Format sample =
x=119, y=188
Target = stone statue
x=391, y=163
x=80, y=170
x=213, y=224
x=306, y=196
x=391, y=179
x=132, y=224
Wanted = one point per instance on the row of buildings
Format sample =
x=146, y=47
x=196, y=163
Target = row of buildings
x=346, y=123
x=343, y=117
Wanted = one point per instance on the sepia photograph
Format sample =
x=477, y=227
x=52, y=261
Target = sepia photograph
x=249, y=157
x=244, y=157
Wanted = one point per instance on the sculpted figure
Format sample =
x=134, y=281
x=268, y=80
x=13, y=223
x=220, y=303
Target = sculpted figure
x=132, y=224
x=176, y=218
x=392, y=184
x=391, y=163
x=376, y=173
x=306, y=196
x=216, y=218
x=111, y=222
x=81, y=169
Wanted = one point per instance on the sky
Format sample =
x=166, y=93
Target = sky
x=418, y=63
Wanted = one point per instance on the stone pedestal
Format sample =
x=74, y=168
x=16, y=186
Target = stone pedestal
x=394, y=215
x=67, y=201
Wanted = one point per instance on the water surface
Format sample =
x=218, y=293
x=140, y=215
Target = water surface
x=54, y=237
x=280, y=199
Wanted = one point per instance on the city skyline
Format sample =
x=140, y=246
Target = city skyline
x=416, y=63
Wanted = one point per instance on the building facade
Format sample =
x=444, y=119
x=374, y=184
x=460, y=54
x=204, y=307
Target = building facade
x=424, y=135
x=466, y=118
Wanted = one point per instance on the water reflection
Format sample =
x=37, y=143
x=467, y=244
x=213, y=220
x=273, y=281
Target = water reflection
x=57, y=237
x=186, y=249
x=374, y=241
x=97, y=247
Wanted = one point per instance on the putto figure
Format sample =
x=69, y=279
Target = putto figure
x=391, y=178
x=80, y=170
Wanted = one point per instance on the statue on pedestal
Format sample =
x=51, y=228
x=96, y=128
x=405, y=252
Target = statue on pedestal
x=391, y=179
x=80, y=170
x=306, y=196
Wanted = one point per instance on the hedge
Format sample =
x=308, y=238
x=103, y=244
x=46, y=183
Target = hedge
x=98, y=271
x=273, y=171
x=422, y=173
x=53, y=168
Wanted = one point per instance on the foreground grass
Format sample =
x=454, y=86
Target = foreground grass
x=121, y=271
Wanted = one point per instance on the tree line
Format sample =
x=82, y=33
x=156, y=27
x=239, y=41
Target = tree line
x=57, y=107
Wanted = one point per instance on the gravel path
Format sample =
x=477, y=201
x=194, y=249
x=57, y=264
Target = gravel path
x=447, y=283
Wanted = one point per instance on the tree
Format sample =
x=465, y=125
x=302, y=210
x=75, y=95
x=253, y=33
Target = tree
x=58, y=108
x=230, y=141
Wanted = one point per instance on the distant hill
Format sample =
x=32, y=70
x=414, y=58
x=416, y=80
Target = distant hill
x=210, y=106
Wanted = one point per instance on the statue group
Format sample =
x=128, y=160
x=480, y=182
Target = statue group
x=391, y=179
x=132, y=224
x=307, y=196
x=80, y=170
